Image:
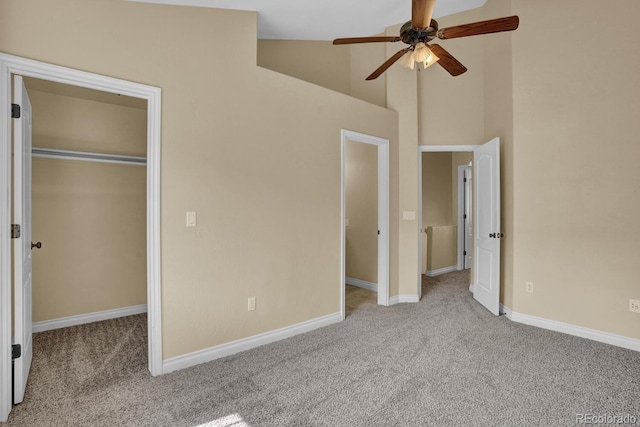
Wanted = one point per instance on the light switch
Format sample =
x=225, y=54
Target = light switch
x=191, y=219
x=409, y=215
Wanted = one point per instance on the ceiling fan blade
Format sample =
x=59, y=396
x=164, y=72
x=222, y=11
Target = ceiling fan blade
x=509, y=23
x=447, y=61
x=373, y=39
x=421, y=13
x=388, y=63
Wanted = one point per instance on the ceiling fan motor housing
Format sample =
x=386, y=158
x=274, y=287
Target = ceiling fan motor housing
x=412, y=36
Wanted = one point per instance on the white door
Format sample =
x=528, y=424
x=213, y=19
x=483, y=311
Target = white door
x=486, y=218
x=22, y=245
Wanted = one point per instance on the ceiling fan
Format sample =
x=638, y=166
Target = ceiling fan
x=422, y=29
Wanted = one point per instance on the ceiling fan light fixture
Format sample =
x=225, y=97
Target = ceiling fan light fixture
x=432, y=59
x=408, y=61
x=420, y=53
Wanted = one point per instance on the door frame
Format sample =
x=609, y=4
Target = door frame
x=463, y=189
x=9, y=65
x=431, y=149
x=383, y=212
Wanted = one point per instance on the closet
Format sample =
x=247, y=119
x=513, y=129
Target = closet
x=89, y=204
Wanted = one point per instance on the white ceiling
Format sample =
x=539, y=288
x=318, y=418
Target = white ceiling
x=325, y=19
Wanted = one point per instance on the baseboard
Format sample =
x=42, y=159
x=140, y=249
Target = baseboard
x=578, y=331
x=223, y=350
x=361, y=284
x=398, y=299
x=438, y=272
x=81, y=319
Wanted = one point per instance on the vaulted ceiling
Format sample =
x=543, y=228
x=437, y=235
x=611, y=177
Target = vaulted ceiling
x=326, y=19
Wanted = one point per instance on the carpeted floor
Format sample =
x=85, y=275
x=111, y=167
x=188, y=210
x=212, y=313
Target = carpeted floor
x=445, y=361
x=357, y=298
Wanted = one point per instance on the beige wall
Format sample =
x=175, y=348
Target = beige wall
x=90, y=216
x=402, y=97
x=575, y=154
x=340, y=68
x=318, y=62
x=451, y=109
x=498, y=122
x=255, y=153
x=441, y=247
x=437, y=189
x=365, y=59
x=91, y=220
x=80, y=124
x=361, y=246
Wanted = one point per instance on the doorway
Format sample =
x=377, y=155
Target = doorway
x=11, y=65
x=88, y=205
x=379, y=233
x=485, y=283
x=361, y=226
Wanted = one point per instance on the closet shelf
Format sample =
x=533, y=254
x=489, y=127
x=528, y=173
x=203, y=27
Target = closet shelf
x=86, y=156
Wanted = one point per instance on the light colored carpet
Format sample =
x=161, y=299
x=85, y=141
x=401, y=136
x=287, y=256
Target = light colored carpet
x=445, y=361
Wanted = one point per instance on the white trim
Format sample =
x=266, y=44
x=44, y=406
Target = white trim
x=361, y=284
x=440, y=271
x=383, y=212
x=471, y=287
x=223, y=350
x=9, y=65
x=460, y=215
x=578, y=331
x=50, y=153
x=400, y=299
x=81, y=319
x=445, y=148
x=5, y=246
x=431, y=149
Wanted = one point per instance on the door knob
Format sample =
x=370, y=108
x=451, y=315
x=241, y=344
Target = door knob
x=36, y=245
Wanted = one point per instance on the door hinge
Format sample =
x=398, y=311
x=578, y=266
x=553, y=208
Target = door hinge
x=465, y=253
x=465, y=216
x=16, y=351
x=378, y=232
x=15, y=111
x=15, y=231
x=465, y=179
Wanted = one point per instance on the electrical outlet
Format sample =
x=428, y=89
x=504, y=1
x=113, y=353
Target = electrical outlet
x=634, y=306
x=251, y=304
x=191, y=219
x=529, y=287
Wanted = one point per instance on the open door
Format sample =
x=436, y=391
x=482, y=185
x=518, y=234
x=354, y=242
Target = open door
x=486, y=217
x=22, y=349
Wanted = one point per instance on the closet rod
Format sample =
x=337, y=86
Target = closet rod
x=91, y=157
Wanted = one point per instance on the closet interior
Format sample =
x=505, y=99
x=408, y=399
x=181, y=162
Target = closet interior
x=89, y=203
